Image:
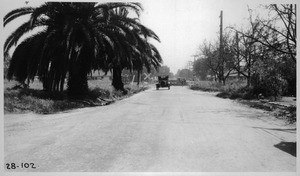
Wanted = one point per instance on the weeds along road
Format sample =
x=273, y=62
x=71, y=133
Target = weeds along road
x=165, y=130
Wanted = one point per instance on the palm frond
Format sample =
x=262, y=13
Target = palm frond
x=25, y=59
x=136, y=7
x=18, y=33
x=16, y=13
x=149, y=33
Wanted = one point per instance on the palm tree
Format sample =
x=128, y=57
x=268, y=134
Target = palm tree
x=73, y=39
x=135, y=52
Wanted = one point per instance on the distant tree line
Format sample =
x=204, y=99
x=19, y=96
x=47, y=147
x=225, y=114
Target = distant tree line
x=264, y=53
x=185, y=73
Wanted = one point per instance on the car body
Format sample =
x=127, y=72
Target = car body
x=163, y=81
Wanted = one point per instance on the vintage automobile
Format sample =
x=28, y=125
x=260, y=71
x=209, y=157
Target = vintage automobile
x=181, y=81
x=163, y=81
x=173, y=82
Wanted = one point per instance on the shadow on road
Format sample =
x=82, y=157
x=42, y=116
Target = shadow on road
x=161, y=89
x=287, y=130
x=289, y=147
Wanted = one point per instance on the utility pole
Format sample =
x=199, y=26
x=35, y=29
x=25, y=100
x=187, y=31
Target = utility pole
x=195, y=55
x=237, y=54
x=190, y=65
x=194, y=71
x=221, y=57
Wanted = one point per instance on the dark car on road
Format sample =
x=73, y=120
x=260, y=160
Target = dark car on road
x=173, y=82
x=181, y=81
x=163, y=81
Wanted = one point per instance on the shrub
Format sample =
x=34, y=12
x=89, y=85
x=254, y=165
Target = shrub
x=98, y=92
x=39, y=101
x=223, y=95
x=270, y=85
x=210, y=86
x=234, y=89
x=291, y=114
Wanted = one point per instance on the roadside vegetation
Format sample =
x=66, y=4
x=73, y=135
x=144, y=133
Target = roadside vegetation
x=263, y=54
x=228, y=90
x=256, y=62
x=234, y=89
x=37, y=100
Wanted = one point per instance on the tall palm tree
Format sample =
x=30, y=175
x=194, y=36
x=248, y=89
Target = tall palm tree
x=73, y=39
x=135, y=52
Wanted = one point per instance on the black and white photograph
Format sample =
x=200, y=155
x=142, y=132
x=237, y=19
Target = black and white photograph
x=149, y=87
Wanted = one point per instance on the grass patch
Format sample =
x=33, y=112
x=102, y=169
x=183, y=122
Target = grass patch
x=34, y=99
x=207, y=86
x=233, y=89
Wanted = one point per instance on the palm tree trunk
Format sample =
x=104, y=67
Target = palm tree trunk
x=77, y=81
x=117, y=79
x=77, y=85
x=45, y=83
x=138, y=77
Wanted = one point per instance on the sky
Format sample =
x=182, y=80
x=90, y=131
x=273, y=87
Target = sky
x=182, y=25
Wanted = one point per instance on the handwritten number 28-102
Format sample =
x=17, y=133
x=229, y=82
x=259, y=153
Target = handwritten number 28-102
x=22, y=165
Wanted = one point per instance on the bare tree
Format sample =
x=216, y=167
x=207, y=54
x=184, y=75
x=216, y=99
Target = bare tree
x=286, y=14
x=247, y=53
x=269, y=40
x=279, y=32
x=221, y=68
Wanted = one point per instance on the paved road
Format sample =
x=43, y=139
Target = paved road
x=166, y=130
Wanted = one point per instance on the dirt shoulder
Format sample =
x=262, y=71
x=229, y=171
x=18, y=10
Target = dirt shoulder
x=284, y=109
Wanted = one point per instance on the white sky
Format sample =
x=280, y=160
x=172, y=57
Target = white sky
x=182, y=25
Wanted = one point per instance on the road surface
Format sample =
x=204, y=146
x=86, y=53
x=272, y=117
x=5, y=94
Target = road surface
x=177, y=130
